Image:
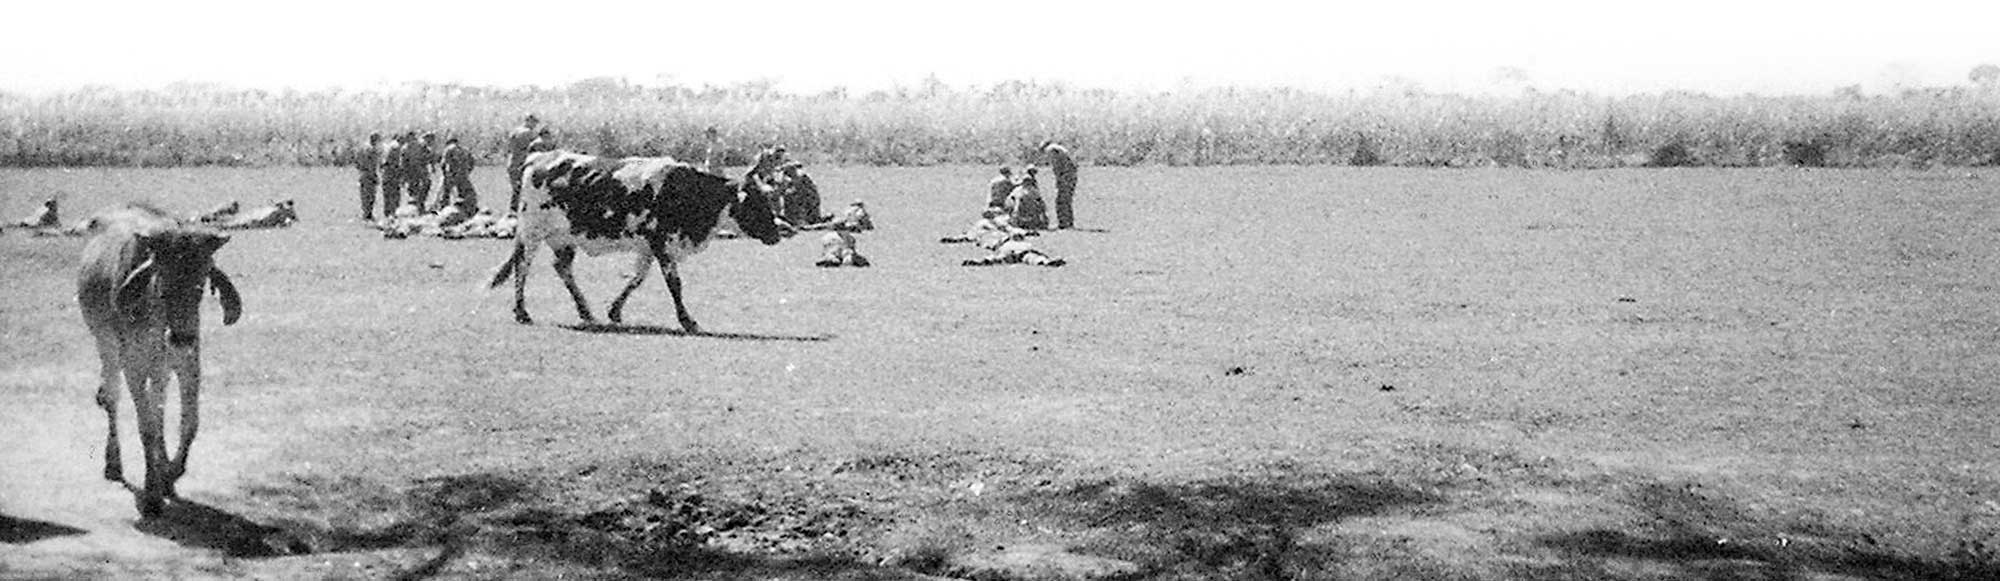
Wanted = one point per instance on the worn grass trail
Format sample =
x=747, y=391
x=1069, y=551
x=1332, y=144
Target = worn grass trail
x=1243, y=372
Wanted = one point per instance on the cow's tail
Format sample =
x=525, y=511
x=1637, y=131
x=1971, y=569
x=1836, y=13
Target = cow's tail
x=507, y=269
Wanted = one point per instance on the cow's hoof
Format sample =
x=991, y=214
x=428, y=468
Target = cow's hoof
x=690, y=327
x=523, y=318
x=615, y=317
x=114, y=473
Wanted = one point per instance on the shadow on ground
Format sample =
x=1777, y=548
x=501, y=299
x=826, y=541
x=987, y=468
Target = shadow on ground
x=1279, y=524
x=506, y=516
x=194, y=524
x=1689, y=533
x=21, y=531
x=604, y=329
x=1226, y=528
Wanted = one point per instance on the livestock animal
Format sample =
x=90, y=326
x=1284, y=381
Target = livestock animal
x=660, y=209
x=140, y=289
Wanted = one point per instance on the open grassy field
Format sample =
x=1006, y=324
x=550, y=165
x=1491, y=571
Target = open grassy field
x=1244, y=372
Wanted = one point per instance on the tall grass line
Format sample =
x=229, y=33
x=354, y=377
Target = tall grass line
x=1002, y=124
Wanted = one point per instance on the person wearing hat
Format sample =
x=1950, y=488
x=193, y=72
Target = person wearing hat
x=1064, y=167
x=1001, y=185
x=518, y=141
x=368, y=168
x=799, y=197
x=457, y=169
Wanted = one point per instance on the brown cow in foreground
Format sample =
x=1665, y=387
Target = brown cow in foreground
x=141, y=285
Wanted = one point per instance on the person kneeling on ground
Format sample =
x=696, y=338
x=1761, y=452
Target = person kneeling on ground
x=838, y=247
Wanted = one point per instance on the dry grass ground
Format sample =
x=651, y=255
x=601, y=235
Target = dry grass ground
x=1268, y=372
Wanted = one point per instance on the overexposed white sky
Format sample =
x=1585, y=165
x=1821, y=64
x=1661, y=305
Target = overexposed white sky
x=1722, y=47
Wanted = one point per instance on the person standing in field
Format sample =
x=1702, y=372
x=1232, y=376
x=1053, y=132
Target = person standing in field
x=518, y=141
x=367, y=161
x=999, y=187
x=1064, y=167
x=457, y=168
x=711, y=159
x=392, y=175
x=418, y=162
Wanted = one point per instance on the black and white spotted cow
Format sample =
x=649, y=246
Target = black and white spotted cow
x=660, y=209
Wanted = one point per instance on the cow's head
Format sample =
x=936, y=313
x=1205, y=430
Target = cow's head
x=752, y=211
x=167, y=285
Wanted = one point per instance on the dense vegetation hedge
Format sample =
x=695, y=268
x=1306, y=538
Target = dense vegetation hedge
x=193, y=125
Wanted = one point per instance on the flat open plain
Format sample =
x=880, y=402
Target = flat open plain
x=1243, y=372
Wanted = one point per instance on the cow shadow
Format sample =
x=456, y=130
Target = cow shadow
x=621, y=329
x=194, y=524
x=21, y=531
x=1088, y=230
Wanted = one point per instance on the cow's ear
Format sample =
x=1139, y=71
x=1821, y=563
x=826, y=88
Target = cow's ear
x=132, y=292
x=216, y=241
x=225, y=292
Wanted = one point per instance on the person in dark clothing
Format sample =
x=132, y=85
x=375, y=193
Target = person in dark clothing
x=367, y=161
x=800, y=196
x=392, y=175
x=1064, y=167
x=419, y=158
x=999, y=187
x=457, y=166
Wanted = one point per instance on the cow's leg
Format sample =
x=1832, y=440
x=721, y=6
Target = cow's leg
x=639, y=268
x=146, y=406
x=188, y=374
x=524, y=257
x=565, y=259
x=109, y=373
x=672, y=273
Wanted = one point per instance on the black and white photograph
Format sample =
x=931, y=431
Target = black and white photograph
x=1028, y=290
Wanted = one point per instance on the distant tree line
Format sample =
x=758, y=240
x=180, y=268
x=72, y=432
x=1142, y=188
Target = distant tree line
x=932, y=123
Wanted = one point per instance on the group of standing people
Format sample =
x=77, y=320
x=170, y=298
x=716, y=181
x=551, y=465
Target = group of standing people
x=400, y=169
